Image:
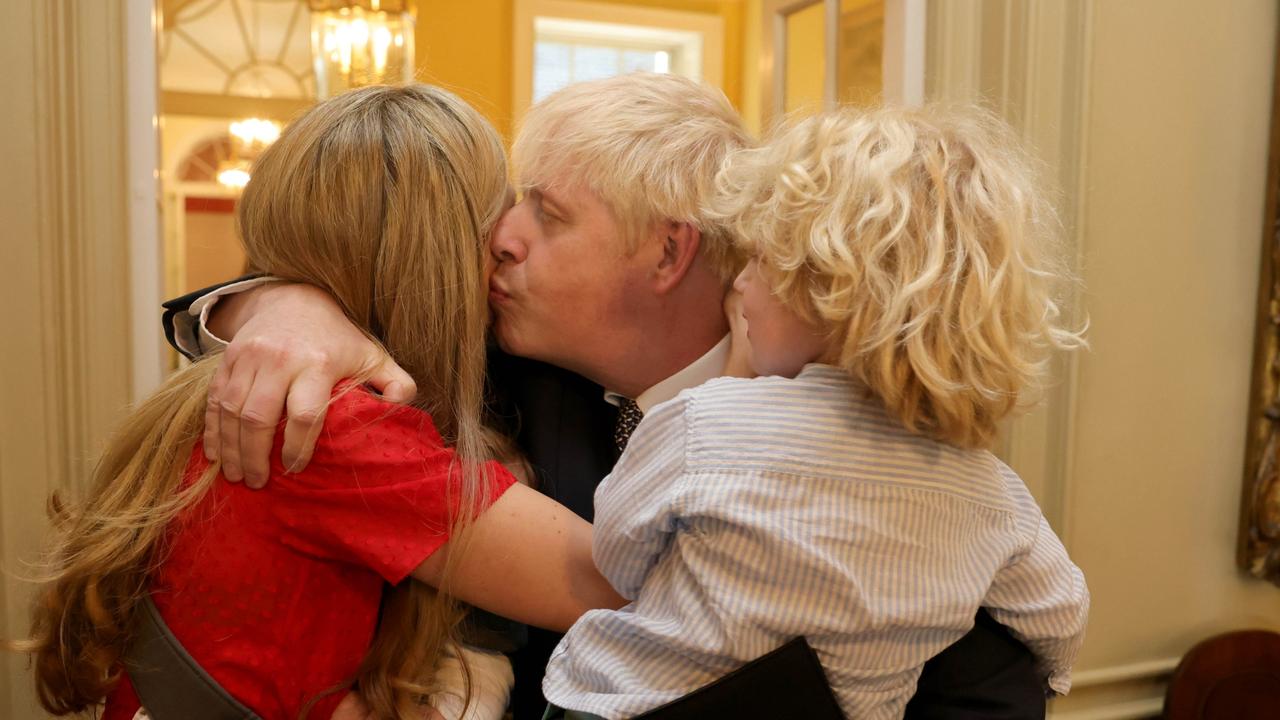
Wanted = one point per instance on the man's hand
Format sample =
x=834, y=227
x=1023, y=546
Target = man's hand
x=292, y=344
x=739, y=362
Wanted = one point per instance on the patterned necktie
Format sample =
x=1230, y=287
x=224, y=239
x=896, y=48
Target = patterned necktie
x=629, y=416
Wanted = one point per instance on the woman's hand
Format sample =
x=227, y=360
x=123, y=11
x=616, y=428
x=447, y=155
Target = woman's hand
x=352, y=707
x=292, y=344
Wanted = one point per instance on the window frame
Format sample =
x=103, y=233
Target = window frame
x=528, y=12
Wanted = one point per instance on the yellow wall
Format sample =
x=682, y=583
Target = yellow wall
x=751, y=30
x=1165, y=118
x=805, y=62
x=467, y=46
x=65, y=312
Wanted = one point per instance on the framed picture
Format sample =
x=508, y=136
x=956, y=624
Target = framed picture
x=1259, y=546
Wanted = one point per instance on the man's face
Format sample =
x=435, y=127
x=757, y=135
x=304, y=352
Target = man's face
x=491, y=262
x=560, y=291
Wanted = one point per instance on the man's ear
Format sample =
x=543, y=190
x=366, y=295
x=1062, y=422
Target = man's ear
x=680, y=244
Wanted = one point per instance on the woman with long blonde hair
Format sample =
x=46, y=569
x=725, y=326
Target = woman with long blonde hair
x=383, y=198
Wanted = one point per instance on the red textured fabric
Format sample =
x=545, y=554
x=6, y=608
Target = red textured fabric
x=275, y=592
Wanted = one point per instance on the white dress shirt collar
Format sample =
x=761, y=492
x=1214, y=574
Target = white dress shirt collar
x=709, y=366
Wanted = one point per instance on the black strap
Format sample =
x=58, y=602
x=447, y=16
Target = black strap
x=169, y=682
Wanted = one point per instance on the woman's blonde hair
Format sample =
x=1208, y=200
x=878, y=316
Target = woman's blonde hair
x=647, y=144
x=384, y=198
x=921, y=240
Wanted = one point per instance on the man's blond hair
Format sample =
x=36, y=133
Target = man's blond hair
x=921, y=240
x=647, y=145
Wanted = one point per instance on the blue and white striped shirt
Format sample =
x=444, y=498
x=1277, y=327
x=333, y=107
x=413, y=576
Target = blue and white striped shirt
x=745, y=513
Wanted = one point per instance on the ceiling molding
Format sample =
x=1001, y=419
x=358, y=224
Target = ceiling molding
x=231, y=106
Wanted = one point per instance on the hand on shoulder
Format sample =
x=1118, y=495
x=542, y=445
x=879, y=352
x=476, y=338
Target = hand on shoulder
x=292, y=345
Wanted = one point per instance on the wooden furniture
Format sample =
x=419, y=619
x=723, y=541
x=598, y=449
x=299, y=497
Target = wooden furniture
x=1235, y=676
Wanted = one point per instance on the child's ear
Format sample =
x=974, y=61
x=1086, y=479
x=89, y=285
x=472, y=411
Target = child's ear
x=680, y=244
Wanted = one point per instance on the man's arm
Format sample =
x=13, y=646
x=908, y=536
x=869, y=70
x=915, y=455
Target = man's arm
x=985, y=675
x=181, y=318
x=290, y=345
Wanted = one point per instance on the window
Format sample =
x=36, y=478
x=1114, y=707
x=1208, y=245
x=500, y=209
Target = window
x=558, y=42
x=569, y=51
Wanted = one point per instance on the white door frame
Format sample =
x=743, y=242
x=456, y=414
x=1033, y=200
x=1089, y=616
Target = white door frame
x=146, y=250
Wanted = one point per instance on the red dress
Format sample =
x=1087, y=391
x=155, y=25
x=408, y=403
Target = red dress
x=275, y=592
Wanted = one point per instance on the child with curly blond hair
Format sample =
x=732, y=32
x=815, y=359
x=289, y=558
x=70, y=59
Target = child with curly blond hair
x=899, y=303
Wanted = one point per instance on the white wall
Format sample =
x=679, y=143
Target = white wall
x=1177, y=133
x=64, y=282
x=1153, y=116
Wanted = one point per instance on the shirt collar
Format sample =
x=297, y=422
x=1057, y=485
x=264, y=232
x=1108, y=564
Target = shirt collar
x=709, y=366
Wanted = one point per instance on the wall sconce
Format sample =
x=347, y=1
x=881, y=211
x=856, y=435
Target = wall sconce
x=360, y=42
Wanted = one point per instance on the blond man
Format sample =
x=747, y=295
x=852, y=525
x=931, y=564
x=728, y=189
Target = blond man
x=607, y=298
x=898, y=300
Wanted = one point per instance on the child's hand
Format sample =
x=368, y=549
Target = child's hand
x=352, y=707
x=739, y=363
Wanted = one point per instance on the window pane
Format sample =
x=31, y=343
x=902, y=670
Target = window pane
x=551, y=69
x=633, y=60
x=591, y=63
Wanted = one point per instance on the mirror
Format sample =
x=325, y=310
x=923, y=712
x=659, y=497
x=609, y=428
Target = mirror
x=860, y=52
x=1258, y=549
x=818, y=53
x=804, y=63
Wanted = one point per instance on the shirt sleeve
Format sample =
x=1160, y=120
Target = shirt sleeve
x=634, y=516
x=381, y=489
x=189, y=329
x=1040, y=594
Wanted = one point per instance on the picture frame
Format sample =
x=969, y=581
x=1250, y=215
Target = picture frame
x=1258, y=549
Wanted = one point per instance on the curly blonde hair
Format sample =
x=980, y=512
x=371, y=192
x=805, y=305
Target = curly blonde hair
x=922, y=241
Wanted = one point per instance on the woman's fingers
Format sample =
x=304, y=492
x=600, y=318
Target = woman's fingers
x=352, y=707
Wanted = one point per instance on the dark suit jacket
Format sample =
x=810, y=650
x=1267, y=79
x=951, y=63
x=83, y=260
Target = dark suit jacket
x=565, y=428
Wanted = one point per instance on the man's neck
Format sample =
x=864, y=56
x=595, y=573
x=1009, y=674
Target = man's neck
x=707, y=367
x=662, y=353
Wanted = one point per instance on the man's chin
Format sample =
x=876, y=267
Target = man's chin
x=503, y=335
x=512, y=342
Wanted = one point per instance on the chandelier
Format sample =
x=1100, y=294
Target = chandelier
x=249, y=138
x=360, y=42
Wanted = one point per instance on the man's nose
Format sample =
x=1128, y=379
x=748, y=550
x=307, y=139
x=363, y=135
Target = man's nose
x=509, y=242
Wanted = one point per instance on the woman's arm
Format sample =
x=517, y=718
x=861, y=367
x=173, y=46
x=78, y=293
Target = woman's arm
x=526, y=558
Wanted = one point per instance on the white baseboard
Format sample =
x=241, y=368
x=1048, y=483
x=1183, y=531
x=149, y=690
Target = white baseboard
x=1133, y=691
